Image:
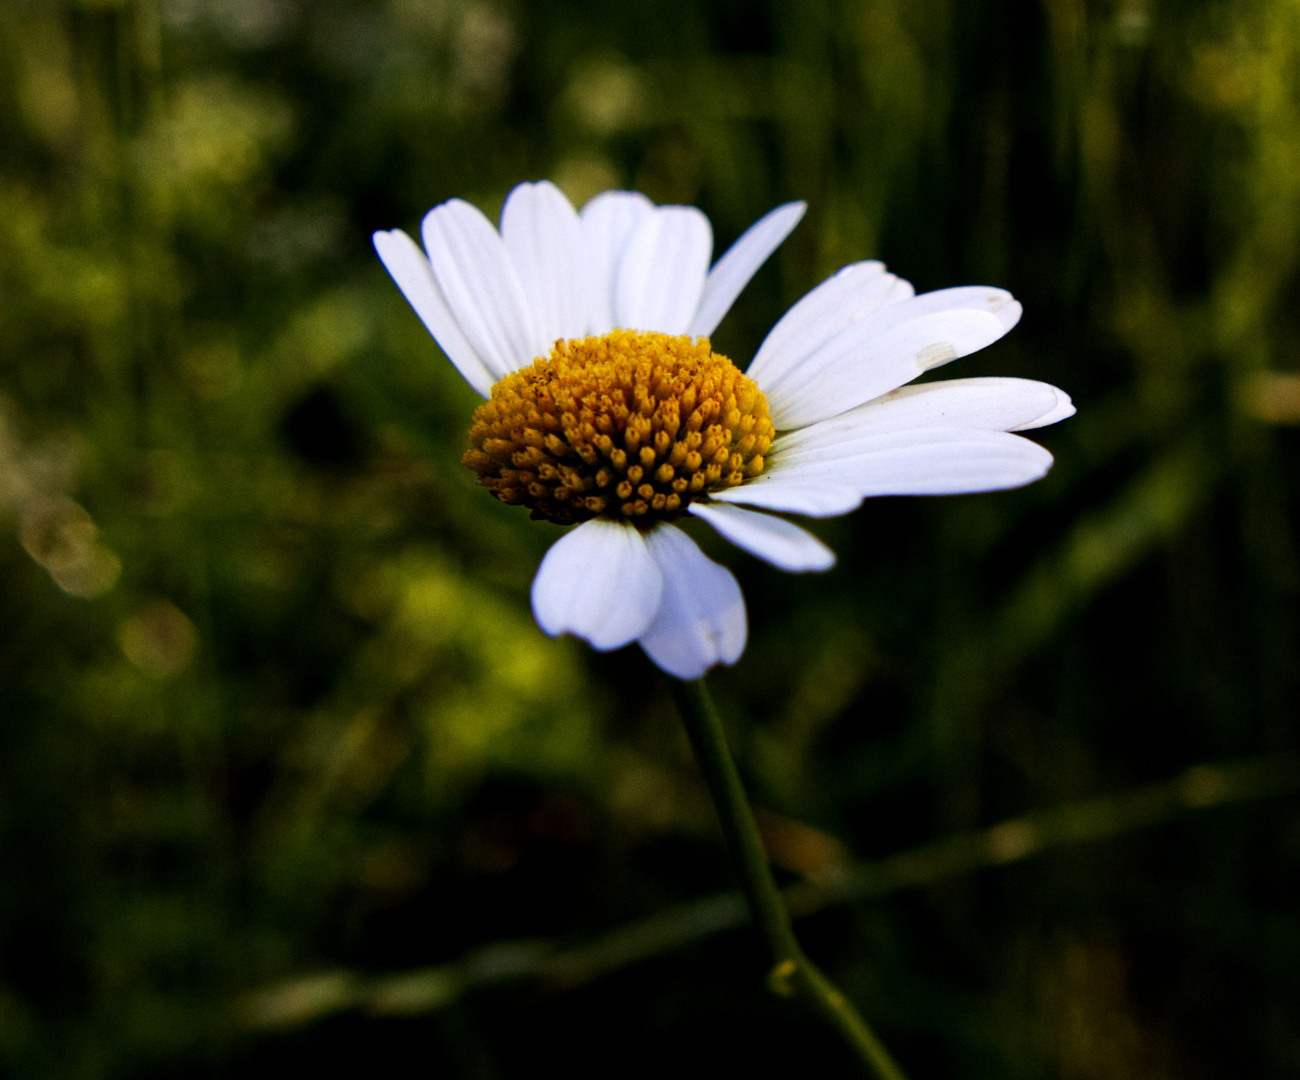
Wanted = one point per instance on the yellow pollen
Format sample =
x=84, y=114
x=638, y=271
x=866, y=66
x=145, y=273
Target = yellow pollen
x=629, y=426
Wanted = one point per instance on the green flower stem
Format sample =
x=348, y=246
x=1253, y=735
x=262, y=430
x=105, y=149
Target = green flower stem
x=792, y=974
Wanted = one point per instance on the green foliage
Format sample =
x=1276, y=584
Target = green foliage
x=272, y=702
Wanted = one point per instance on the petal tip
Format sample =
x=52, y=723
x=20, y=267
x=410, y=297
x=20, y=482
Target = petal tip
x=701, y=620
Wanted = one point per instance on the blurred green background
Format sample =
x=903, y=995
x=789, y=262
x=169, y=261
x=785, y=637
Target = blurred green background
x=276, y=726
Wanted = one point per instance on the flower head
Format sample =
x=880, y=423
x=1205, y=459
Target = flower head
x=607, y=409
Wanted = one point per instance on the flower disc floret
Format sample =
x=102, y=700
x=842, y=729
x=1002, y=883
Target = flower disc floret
x=629, y=426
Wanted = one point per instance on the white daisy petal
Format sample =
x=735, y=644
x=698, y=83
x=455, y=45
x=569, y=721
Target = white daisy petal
x=410, y=269
x=773, y=539
x=922, y=461
x=701, y=619
x=1063, y=410
x=599, y=582
x=608, y=221
x=661, y=273
x=731, y=273
x=832, y=307
x=479, y=282
x=825, y=498
x=884, y=350
x=541, y=231
x=827, y=443
x=993, y=404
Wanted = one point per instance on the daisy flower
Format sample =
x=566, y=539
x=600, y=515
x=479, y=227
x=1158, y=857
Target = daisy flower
x=607, y=410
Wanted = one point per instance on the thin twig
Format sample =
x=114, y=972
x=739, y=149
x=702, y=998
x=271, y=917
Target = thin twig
x=294, y=1002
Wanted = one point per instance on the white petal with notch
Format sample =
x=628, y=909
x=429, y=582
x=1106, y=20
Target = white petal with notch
x=847, y=297
x=885, y=349
x=990, y=404
x=921, y=461
x=598, y=581
x=701, y=619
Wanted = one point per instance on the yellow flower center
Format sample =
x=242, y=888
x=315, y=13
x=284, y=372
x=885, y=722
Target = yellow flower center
x=629, y=426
